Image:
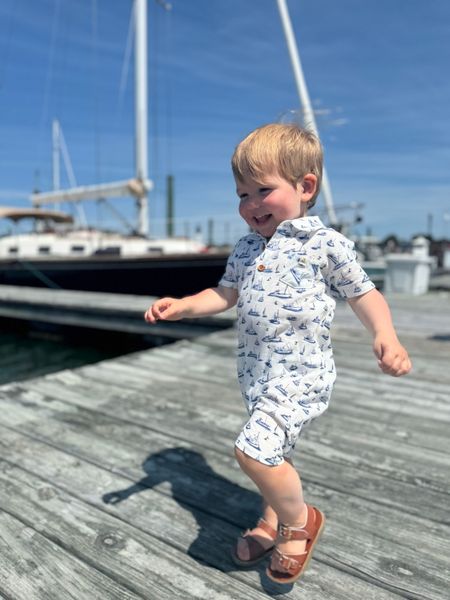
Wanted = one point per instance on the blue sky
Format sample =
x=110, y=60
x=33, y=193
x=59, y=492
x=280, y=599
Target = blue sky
x=377, y=72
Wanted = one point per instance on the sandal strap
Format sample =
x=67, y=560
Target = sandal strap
x=287, y=563
x=293, y=532
x=263, y=524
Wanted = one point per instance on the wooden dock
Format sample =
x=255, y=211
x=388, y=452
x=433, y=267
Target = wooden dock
x=118, y=479
x=97, y=310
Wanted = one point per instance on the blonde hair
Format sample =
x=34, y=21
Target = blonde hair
x=287, y=150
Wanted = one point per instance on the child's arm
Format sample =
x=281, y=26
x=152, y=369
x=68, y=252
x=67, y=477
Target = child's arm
x=373, y=312
x=208, y=302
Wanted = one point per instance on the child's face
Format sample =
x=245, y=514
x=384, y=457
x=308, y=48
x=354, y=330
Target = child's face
x=265, y=205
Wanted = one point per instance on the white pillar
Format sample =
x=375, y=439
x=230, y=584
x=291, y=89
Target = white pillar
x=409, y=273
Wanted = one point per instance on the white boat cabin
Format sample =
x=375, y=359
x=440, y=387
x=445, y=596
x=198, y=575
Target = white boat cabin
x=53, y=236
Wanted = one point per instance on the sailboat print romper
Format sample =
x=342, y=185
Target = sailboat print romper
x=285, y=308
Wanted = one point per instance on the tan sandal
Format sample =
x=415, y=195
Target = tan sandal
x=287, y=568
x=256, y=549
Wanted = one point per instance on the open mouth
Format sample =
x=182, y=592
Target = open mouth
x=262, y=220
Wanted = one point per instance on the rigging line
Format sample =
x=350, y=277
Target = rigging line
x=7, y=45
x=48, y=79
x=157, y=84
x=126, y=60
x=129, y=226
x=66, y=158
x=94, y=51
x=62, y=56
x=71, y=176
x=168, y=103
x=155, y=93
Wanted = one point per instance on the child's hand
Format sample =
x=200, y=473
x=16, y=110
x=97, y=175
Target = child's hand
x=393, y=359
x=166, y=309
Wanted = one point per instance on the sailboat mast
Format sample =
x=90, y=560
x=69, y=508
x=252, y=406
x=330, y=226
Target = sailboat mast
x=141, y=109
x=305, y=102
x=137, y=187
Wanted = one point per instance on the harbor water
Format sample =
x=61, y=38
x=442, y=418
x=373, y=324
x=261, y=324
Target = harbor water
x=27, y=352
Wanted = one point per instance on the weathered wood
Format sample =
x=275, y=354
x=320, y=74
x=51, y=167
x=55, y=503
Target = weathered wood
x=396, y=447
x=420, y=316
x=121, y=551
x=174, y=415
x=113, y=312
x=320, y=455
x=35, y=568
x=162, y=513
x=98, y=446
x=142, y=445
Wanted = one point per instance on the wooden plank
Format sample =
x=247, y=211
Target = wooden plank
x=102, y=451
x=97, y=301
x=321, y=453
x=361, y=355
x=364, y=402
x=111, y=546
x=100, y=321
x=157, y=364
x=226, y=405
x=116, y=312
x=385, y=411
x=171, y=414
x=35, y=568
x=165, y=401
x=321, y=456
x=162, y=513
x=422, y=315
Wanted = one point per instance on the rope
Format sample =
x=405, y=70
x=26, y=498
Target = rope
x=48, y=78
x=94, y=48
x=39, y=275
x=7, y=45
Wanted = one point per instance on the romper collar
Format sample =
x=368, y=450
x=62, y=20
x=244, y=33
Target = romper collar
x=303, y=224
x=307, y=224
x=292, y=226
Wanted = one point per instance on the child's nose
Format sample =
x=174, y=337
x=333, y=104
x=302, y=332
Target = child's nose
x=255, y=199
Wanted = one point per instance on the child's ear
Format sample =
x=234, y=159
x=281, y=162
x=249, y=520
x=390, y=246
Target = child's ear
x=308, y=187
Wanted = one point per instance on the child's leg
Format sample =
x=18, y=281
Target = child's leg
x=281, y=488
x=263, y=537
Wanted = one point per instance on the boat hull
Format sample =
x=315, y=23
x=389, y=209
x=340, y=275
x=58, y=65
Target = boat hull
x=169, y=275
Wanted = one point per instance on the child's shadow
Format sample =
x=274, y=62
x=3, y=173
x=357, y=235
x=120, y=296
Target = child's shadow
x=197, y=488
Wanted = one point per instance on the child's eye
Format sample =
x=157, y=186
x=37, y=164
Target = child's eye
x=243, y=196
x=265, y=190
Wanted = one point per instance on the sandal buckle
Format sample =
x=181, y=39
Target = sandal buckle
x=285, y=531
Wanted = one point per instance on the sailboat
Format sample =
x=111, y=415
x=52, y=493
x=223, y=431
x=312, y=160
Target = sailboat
x=57, y=254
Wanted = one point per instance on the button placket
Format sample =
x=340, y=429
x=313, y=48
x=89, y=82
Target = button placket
x=261, y=264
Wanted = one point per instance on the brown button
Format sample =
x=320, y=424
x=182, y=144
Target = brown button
x=261, y=268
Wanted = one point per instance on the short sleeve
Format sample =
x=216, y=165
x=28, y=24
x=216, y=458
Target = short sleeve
x=230, y=277
x=344, y=276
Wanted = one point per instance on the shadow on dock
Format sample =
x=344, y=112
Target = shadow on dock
x=170, y=465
